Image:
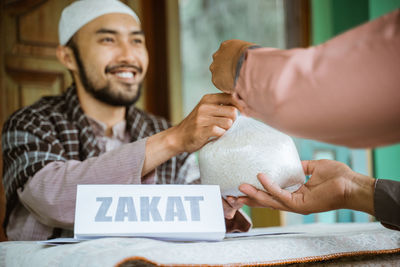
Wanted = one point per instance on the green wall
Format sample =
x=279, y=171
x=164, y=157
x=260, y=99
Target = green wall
x=387, y=162
x=386, y=159
x=332, y=17
x=379, y=7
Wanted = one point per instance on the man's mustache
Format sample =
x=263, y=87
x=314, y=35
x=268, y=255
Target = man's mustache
x=112, y=68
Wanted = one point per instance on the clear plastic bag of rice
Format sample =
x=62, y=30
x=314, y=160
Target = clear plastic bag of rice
x=250, y=147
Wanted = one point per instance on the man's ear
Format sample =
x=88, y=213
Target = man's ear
x=66, y=56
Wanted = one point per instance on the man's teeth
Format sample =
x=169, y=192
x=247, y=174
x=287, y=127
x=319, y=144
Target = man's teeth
x=124, y=74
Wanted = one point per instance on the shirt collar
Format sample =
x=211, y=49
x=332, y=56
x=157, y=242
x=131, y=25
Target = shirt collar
x=99, y=128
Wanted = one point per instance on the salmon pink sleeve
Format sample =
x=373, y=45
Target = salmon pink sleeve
x=345, y=91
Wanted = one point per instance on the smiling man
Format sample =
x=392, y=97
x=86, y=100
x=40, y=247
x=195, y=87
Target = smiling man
x=93, y=134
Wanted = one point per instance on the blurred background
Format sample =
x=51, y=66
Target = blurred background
x=181, y=36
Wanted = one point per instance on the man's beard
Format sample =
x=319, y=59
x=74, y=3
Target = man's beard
x=104, y=94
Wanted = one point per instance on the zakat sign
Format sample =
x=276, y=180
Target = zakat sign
x=169, y=212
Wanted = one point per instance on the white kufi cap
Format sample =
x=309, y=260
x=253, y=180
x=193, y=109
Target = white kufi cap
x=81, y=12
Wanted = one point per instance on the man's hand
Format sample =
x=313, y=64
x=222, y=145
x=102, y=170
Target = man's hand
x=235, y=221
x=210, y=119
x=231, y=206
x=333, y=185
x=223, y=67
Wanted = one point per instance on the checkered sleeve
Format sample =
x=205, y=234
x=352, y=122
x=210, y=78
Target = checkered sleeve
x=28, y=144
x=189, y=172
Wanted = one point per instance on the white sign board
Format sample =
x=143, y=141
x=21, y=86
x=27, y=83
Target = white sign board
x=169, y=212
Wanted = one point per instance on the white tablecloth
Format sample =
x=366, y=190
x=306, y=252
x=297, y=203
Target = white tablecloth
x=318, y=242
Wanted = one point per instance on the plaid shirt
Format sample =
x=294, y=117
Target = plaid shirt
x=56, y=129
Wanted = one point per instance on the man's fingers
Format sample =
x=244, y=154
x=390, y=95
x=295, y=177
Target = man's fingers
x=221, y=122
x=218, y=99
x=214, y=110
x=215, y=54
x=224, y=111
x=274, y=190
x=308, y=166
x=213, y=131
x=229, y=212
x=211, y=68
x=226, y=105
x=248, y=189
x=238, y=102
x=259, y=198
x=234, y=203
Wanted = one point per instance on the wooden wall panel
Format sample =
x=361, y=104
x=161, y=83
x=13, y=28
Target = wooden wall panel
x=29, y=67
x=297, y=23
x=45, y=30
x=157, y=80
x=174, y=64
x=29, y=53
x=2, y=114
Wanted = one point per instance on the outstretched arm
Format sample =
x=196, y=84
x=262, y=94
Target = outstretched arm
x=332, y=185
x=345, y=91
x=213, y=115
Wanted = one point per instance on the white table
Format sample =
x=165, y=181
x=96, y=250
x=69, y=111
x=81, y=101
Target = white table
x=340, y=244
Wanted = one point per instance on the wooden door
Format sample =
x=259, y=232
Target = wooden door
x=29, y=68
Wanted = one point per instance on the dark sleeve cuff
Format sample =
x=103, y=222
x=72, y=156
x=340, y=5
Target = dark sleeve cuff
x=241, y=60
x=239, y=223
x=387, y=203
